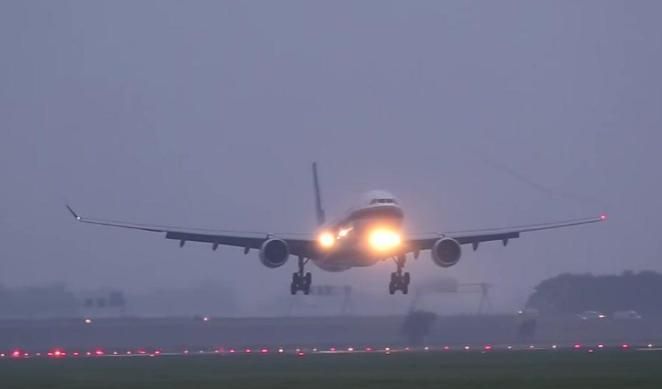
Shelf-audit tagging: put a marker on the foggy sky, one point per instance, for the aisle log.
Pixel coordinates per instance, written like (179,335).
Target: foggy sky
(208,114)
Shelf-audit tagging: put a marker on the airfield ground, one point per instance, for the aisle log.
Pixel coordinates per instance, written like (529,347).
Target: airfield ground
(607,368)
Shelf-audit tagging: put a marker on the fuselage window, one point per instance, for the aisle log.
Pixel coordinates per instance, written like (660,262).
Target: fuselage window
(382,201)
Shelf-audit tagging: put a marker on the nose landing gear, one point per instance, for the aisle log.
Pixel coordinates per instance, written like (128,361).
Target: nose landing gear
(301,281)
(399,280)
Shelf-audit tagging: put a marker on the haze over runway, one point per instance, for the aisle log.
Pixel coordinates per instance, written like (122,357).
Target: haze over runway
(208,114)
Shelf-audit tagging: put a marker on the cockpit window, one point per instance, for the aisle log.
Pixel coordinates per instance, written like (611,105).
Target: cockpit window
(382,201)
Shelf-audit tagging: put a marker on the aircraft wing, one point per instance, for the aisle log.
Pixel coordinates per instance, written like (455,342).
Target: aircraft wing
(503,234)
(247,240)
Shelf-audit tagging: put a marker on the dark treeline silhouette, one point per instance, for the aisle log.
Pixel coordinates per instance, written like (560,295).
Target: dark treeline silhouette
(576,293)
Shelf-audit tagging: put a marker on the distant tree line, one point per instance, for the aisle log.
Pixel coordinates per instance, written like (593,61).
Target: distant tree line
(576,293)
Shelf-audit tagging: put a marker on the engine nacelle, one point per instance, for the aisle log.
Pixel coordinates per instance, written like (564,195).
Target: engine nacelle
(446,252)
(274,253)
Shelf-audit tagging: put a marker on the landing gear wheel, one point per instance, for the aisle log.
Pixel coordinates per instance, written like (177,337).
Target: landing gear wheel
(399,280)
(301,281)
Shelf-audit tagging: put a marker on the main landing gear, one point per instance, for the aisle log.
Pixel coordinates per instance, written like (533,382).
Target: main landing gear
(399,280)
(301,281)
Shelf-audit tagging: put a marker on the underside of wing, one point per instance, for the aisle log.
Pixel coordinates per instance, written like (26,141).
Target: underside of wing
(244,239)
(503,234)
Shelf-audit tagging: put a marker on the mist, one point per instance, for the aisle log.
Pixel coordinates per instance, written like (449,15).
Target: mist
(209,114)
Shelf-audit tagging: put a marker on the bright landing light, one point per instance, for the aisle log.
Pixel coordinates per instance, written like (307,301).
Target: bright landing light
(326,239)
(383,239)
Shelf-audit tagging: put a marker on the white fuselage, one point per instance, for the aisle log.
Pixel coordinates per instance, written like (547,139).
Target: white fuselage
(368,234)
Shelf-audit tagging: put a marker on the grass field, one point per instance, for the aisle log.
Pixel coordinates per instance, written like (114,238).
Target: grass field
(522,369)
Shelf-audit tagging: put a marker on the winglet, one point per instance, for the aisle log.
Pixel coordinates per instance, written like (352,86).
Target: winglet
(73,213)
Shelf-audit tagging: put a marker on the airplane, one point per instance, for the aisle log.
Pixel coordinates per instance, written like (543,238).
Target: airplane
(369,233)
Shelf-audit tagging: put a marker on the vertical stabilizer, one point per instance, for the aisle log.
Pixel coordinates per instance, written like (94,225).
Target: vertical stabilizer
(321,218)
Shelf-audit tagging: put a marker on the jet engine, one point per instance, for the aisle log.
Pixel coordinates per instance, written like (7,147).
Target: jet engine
(274,253)
(446,252)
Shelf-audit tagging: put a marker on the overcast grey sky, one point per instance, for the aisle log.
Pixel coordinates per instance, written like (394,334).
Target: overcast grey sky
(209,113)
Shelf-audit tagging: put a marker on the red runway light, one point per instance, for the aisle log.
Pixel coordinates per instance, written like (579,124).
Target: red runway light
(57,353)
(98,352)
(577,346)
(488,347)
(625,346)
(16,354)
(264,351)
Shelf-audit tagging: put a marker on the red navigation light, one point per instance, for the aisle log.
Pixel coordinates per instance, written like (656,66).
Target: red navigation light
(603,217)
